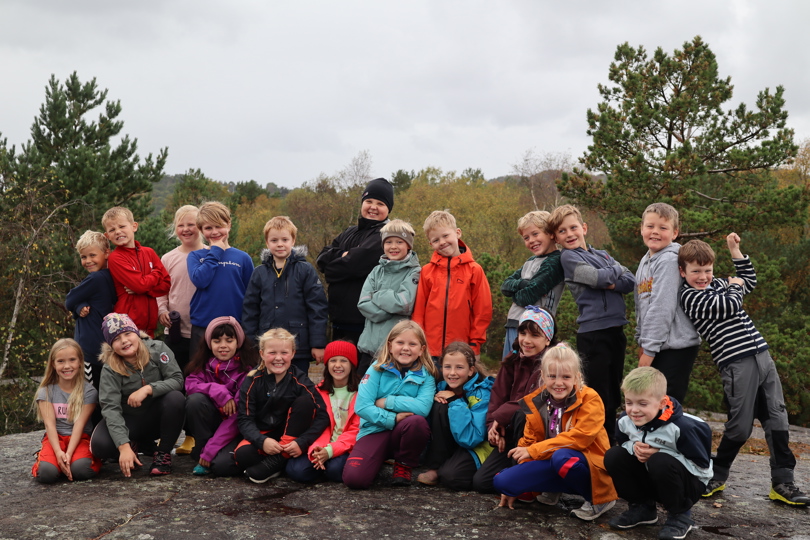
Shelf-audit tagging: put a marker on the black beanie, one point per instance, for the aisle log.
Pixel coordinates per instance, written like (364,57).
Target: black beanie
(382,190)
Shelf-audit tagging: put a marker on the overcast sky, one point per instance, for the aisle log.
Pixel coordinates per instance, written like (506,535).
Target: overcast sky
(282,91)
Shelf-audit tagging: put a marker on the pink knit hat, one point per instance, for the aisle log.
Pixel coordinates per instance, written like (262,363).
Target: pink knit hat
(219,321)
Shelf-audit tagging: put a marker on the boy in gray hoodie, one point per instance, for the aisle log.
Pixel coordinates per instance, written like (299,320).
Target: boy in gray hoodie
(666,337)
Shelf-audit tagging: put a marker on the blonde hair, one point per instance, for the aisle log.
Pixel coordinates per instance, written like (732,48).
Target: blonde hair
(117,212)
(439,218)
(397,226)
(171,228)
(280,223)
(76,398)
(214,213)
(92,239)
(386,360)
(646,379)
(280,334)
(665,211)
(119,365)
(563,358)
(538,218)
(558,216)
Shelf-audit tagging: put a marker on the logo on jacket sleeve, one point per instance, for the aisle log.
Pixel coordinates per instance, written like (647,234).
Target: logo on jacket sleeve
(364,380)
(164,358)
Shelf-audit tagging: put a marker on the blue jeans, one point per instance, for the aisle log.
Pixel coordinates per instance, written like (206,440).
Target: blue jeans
(301,469)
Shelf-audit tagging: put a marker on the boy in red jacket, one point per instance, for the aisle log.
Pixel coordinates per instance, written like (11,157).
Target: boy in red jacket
(453,301)
(138,274)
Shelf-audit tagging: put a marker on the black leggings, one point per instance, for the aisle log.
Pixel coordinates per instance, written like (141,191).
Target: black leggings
(161,417)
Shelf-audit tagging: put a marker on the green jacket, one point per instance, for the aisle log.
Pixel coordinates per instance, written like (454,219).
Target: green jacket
(161,372)
(387,297)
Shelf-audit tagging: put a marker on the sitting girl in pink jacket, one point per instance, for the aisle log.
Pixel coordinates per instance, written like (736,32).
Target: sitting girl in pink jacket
(328,454)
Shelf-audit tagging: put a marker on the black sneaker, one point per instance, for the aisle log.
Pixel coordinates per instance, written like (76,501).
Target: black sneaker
(788,493)
(161,464)
(637,514)
(269,467)
(714,486)
(676,527)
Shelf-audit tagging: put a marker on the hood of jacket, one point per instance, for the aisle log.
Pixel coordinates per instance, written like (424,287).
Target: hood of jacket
(299,253)
(476,383)
(465,257)
(411,261)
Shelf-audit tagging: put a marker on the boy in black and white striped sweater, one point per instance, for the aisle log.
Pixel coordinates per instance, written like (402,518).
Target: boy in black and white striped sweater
(749,376)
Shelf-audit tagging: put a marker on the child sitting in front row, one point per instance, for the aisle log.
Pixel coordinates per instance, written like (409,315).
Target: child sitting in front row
(750,381)
(328,454)
(518,375)
(141,398)
(213,379)
(458,421)
(663,455)
(280,411)
(393,401)
(539,282)
(564,441)
(65,402)
(389,292)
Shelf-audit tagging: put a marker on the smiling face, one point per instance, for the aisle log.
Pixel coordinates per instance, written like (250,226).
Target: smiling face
(186,230)
(456,370)
(121,232)
(444,240)
(395,248)
(406,349)
(216,233)
(126,345)
(224,347)
(537,240)
(560,380)
(657,232)
(570,234)
(280,244)
(643,408)
(697,275)
(94,258)
(531,344)
(277,355)
(67,365)
(339,368)
(374,209)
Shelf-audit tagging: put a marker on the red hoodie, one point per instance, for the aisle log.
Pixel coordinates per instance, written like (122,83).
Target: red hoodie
(139,269)
(453,301)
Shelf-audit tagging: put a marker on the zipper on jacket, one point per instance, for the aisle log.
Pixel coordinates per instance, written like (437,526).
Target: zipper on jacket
(446,303)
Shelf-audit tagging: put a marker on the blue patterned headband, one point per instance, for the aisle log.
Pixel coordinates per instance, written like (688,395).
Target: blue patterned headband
(540,316)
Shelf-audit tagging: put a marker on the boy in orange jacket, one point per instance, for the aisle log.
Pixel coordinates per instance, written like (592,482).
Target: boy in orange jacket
(453,300)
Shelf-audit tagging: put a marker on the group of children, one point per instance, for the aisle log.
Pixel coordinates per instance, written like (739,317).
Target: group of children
(545,425)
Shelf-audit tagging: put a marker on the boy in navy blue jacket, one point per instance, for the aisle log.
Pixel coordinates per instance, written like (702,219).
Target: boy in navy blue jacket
(598,284)
(663,455)
(285,292)
(91,300)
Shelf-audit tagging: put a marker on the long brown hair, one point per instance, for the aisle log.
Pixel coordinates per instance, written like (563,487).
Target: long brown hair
(248,355)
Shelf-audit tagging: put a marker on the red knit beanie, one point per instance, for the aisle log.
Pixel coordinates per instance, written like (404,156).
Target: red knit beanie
(341,348)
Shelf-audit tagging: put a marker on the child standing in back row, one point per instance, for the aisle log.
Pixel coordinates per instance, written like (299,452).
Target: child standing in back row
(91,300)
(750,381)
(666,336)
(453,301)
(597,283)
(139,276)
(389,291)
(539,282)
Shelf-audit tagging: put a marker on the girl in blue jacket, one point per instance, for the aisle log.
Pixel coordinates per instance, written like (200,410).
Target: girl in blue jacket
(458,421)
(393,400)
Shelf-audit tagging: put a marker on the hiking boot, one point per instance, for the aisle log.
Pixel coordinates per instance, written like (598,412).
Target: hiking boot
(528,497)
(590,512)
(714,486)
(200,470)
(269,467)
(550,499)
(402,475)
(637,514)
(788,493)
(676,527)
(161,464)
